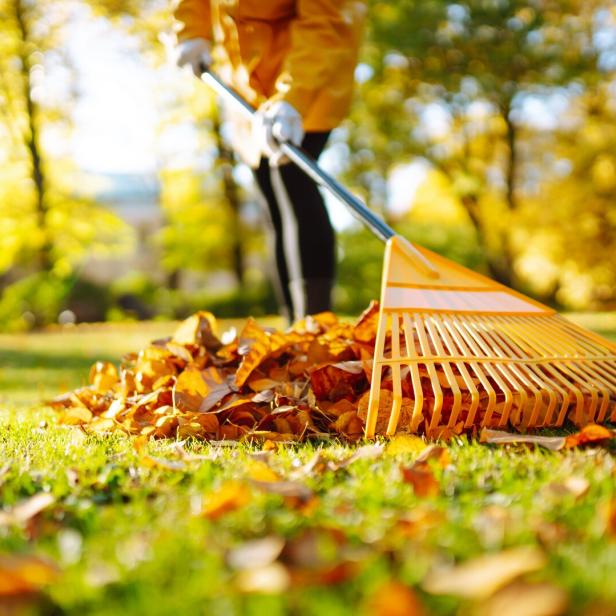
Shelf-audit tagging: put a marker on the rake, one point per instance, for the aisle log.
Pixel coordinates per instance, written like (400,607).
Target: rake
(456,350)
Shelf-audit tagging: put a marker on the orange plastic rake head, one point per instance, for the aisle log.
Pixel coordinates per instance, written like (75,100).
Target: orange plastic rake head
(458,350)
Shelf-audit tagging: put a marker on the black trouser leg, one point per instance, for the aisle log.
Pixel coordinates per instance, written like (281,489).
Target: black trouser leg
(304,241)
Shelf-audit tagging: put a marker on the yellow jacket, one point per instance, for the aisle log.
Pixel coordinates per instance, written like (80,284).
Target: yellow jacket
(300,51)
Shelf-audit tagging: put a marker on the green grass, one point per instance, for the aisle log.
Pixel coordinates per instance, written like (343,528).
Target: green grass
(128,538)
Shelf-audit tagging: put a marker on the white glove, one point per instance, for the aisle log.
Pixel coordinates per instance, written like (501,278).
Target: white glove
(195,53)
(274,123)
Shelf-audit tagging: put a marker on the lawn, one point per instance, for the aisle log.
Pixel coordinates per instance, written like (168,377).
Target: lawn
(113,525)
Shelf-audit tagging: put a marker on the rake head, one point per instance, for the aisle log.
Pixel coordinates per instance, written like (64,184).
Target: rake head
(455,350)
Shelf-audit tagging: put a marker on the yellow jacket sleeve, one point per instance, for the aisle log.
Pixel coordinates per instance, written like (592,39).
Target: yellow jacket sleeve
(194,18)
(325,37)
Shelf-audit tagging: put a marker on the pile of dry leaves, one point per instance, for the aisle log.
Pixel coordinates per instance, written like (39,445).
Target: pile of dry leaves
(312,380)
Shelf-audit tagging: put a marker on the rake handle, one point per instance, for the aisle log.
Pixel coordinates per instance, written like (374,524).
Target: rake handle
(307,164)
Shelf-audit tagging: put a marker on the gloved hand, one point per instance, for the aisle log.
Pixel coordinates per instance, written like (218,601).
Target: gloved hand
(276,122)
(195,53)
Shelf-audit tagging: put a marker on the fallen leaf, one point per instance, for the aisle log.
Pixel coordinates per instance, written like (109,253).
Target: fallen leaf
(26,509)
(592,433)
(230,496)
(198,329)
(256,553)
(365,452)
(480,577)
(24,574)
(421,478)
(572,486)
(259,471)
(311,381)
(270,579)
(435,452)
(608,515)
(497,437)
(392,598)
(525,599)
(405,444)
(320,556)
(366,326)
(293,489)
(103,376)
(76,416)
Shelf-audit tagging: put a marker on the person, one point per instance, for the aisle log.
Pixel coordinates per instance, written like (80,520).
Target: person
(294,60)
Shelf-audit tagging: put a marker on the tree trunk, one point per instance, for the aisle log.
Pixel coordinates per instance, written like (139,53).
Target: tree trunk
(231,192)
(496,269)
(506,260)
(31,140)
(174,279)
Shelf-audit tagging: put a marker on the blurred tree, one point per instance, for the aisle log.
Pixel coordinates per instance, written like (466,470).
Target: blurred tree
(575,207)
(44,225)
(21,55)
(449,81)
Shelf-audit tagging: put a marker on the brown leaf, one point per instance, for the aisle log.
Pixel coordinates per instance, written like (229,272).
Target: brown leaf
(318,556)
(335,381)
(421,478)
(480,577)
(386,398)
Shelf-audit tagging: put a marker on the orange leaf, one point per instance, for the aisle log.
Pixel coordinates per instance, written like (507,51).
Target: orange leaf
(366,326)
(260,471)
(200,390)
(199,329)
(103,376)
(21,574)
(592,433)
(255,343)
(76,416)
(435,452)
(394,599)
(230,496)
(421,478)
